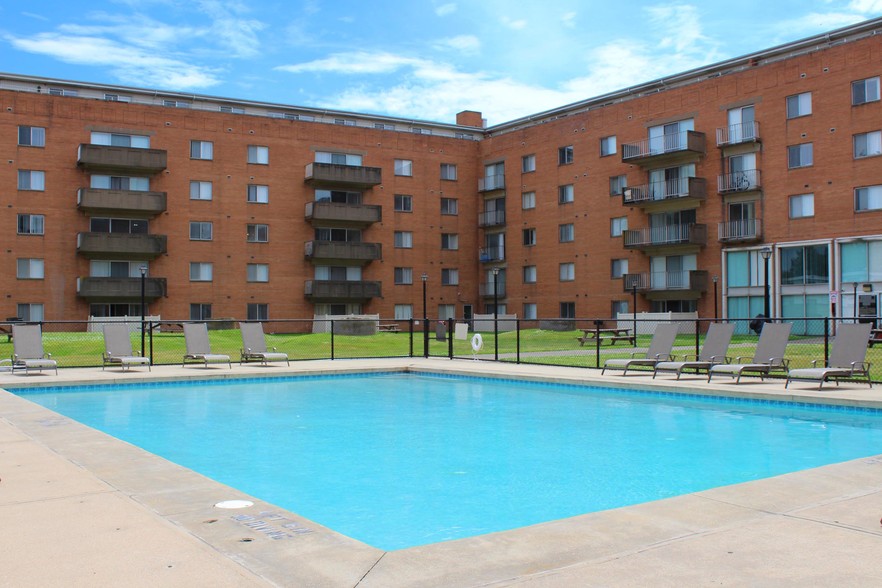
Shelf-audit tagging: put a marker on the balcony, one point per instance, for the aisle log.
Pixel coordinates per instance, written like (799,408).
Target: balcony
(122,160)
(343,251)
(686,191)
(491,218)
(489,254)
(341,290)
(736,134)
(350,176)
(120,289)
(682,146)
(355,215)
(487,290)
(746,180)
(742,231)
(491,183)
(99,201)
(121,245)
(686,284)
(667,236)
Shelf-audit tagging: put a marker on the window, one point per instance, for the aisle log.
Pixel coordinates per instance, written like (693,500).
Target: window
(530,311)
(565,155)
(384,126)
(799,155)
(619,307)
(868,144)
(132,184)
(115,269)
(617,185)
(31,180)
(868,198)
(29,312)
(403,312)
(618,268)
(802,205)
(176,104)
(200,271)
(200,231)
(200,190)
(337,158)
(338,235)
(258,154)
(257,272)
(449,241)
(567,272)
(529,274)
(403,203)
(528,200)
(403,239)
(529,237)
(232,110)
(200,312)
(258,194)
(449,277)
(528,164)
(419,131)
(566,233)
(617,226)
(403,167)
(861,261)
(201,150)
(257,233)
(863,91)
(62,92)
(448,171)
(805,265)
(99,224)
(608,146)
(338,273)
(338,196)
(565,194)
(799,105)
(446,311)
(568,310)
(256,311)
(32,136)
(404,275)
(30,224)
(449,206)
(29,269)
(346,122)
(120,140)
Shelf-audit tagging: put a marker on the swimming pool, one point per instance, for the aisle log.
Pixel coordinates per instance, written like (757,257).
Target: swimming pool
(397,460)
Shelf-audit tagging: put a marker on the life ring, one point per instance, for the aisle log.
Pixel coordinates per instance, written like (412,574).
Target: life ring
(477,342)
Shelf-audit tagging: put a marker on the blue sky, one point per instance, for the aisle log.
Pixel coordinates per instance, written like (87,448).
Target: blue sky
(412,59)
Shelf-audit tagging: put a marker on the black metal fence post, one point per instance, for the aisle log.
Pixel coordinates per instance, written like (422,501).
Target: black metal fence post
(517,340)
(450,327)
(597,325)
(826,339)
(332,338)
(697,343)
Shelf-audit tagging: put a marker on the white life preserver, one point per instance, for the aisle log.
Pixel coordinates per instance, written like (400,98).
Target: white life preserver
(477,342)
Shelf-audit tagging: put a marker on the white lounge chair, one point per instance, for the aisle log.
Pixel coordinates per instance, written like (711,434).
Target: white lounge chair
(713,351)
(769,355)
(199,348)
(254,345)
(118,348)
(659,350)
(27,345)
(846,359)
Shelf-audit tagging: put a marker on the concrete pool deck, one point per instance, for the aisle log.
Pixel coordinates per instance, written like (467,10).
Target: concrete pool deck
(80,508)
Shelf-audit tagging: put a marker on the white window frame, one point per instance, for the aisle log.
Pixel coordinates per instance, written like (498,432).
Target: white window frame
(567,271)
(798,105)
(403,240)
(617,226)
(530,311)
(404,167)
(531,233)
(203,150)
(201,271)
(566,233)
(253,233)
(449,276)
(868,88)
(258,154)
(120,140)
(204,230)
(449,241)
(403,276)
(257,272)
(566,194)
(257,311)
(448,172)
(872,195)
(257,194)
(529,274)
(528,164)
(30,268)
(36,224)
(200,190)
(34,136)
(405,201)
(618,268)
(608,146)
(867,144)
(566,155)
(806,206)
(403,312)
(31,180)
(806,155)
(450,206)
(528,200)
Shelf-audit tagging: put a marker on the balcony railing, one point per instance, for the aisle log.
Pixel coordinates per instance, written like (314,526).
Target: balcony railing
(691,234)
(121,201)
(121,245)
(334,174)
(740,181)
(343,250)
(491,218)
(691,280)
(341,290)
(690,188)
(120,289)
(490,183)
(121,159)
(655,147)
(738,133)
(487,290)
(741,230)
(491,254)
(349,214)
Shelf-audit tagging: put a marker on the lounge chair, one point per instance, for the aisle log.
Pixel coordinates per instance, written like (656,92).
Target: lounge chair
(659,350)
(198,347)
(846,359)
(27,345)
(254,345)
(713,352)
(769,355)
(118,348)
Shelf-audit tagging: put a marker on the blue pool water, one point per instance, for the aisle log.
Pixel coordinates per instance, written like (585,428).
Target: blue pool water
(399,460)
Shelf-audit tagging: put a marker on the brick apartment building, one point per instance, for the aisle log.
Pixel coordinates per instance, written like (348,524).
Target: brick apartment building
(681,191)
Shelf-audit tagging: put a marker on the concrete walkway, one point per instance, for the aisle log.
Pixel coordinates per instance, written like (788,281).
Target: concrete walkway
(79,508)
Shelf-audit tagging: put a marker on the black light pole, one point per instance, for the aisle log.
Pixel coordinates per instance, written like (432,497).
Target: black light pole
(495,314)
(634,297)
(766,252)
(425,278)
(854,301)
(716,308)
(143,270)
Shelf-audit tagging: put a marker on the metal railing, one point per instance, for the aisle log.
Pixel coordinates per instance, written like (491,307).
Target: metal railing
(738,133)
(740,181)
(740,230)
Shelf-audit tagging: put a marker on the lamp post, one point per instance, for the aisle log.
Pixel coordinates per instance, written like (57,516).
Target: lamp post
(716,308)
(634,301)
(766,253)
(425,278)
(143,270)
(496,314)
(854,301)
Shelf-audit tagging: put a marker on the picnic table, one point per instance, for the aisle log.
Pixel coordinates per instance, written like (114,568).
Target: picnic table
(611,335)
(875,336)
(389,328)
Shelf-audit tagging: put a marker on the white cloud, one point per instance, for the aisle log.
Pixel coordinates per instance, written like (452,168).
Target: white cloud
(229,29)
(463,43)
(812,23)
(866,6)
(32,15)
(359,62)
(514,24)
(569,20)
(445,9)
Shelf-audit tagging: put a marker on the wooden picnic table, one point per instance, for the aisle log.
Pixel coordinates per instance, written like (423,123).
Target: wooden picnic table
(611,335)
